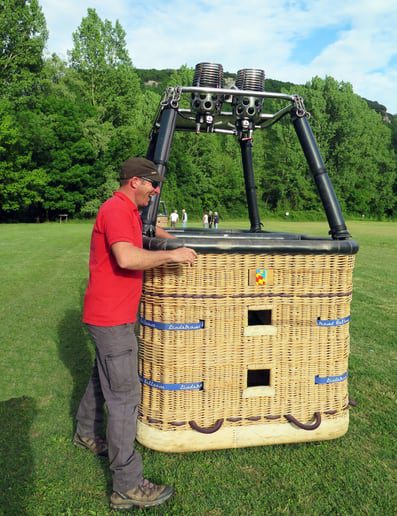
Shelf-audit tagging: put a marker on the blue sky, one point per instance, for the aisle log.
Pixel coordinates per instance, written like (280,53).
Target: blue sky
(292,40)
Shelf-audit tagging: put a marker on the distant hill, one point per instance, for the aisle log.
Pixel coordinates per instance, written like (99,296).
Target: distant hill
(380,108)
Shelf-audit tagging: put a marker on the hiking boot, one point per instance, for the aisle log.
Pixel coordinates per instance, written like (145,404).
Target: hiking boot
(96,445)
(146,494)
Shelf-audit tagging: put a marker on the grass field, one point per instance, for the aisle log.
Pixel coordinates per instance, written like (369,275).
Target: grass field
(46,360)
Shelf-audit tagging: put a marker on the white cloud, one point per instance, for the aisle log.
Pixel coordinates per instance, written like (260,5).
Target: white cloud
(254,33)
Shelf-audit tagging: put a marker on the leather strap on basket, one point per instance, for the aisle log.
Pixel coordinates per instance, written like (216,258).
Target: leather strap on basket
(304,426)
(209,430)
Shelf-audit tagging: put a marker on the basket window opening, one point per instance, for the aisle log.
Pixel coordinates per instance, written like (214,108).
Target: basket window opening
(259,317)
(258,377)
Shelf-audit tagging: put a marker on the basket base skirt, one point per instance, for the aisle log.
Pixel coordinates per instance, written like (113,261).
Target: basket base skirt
(239,436)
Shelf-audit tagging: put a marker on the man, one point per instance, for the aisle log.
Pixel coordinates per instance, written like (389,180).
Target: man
(210,219)
(110,307)
(174,217)
(184,218)
(216,220)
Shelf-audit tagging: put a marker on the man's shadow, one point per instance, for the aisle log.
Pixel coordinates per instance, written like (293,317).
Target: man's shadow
(77,352)
(16,456)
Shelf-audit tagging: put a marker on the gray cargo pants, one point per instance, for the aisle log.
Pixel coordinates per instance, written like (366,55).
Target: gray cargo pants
(114,380)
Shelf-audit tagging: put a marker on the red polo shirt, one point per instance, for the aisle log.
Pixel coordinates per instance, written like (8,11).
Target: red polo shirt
(113,294)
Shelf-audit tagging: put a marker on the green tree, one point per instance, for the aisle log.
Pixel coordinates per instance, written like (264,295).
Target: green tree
(101,59)
(23,35)
(356,145)
(22,182)
(98,47)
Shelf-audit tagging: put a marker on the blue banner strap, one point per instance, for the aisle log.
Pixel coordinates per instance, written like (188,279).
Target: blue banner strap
(171,326)
(333,322)
(193,386)
(330,379)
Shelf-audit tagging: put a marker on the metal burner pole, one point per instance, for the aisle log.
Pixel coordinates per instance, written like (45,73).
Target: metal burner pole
(250,188)
(158,152)
(338,229)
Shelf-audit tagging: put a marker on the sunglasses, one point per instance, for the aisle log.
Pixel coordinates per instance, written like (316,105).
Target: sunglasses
(155,184)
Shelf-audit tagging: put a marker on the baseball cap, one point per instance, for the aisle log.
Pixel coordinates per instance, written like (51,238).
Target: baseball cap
(140,167)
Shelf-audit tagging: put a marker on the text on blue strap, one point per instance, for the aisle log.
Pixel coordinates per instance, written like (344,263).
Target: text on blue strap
(193,386)
(333,322)
(331,379)
(171,326)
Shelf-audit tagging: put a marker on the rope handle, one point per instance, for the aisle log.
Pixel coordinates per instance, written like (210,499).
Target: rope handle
(209,430)
(304,426)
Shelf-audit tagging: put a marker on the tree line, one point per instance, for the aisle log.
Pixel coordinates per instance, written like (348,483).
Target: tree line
(66,125)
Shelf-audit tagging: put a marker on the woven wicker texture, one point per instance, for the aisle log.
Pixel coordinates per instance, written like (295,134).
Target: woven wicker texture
(251,373)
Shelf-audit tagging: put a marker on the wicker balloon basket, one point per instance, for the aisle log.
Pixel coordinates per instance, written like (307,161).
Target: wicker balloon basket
(245,348)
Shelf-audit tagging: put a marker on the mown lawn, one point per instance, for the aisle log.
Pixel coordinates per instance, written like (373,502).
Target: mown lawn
(46,360)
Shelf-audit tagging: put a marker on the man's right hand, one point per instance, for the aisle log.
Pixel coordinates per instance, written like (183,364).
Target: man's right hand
(183,255)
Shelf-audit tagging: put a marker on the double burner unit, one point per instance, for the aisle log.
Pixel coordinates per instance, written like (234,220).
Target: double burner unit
(250,346)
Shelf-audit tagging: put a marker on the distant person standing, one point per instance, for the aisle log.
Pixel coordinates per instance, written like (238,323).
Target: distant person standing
(210,219)
(205,220)
(216,220)
(184,218)
(174,217)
